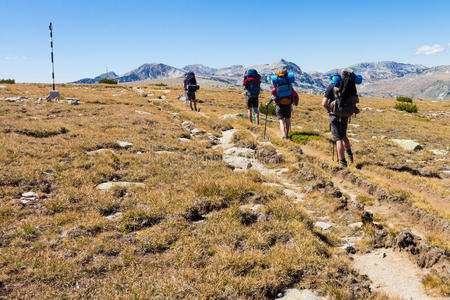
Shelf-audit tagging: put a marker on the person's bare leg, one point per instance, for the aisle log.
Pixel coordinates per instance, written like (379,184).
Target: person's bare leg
(346,143)
(340,149)
(249,113)
(190,104)
(282,127)
(288,126)
(348,149)
(195,105)
(257,118)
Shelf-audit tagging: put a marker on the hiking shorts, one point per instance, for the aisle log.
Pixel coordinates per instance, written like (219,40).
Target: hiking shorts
(190,96)
(338,126)
(252,102)
(283,111)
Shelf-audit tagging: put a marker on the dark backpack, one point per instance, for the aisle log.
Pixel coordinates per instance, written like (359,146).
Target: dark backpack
(191,82)
(253,88)
(345,96)
(252,73)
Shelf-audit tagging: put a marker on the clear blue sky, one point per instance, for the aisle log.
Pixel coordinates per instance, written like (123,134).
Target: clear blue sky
(121,35)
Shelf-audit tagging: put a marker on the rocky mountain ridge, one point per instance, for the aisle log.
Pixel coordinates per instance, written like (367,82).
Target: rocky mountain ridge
(381,79)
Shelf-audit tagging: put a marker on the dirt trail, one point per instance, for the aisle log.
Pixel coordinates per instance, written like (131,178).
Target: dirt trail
(392,273)
(383,271)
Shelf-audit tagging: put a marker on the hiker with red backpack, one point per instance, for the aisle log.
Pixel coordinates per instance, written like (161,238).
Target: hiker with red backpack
(284,96)
(190,86)
(340,101)
(252,83)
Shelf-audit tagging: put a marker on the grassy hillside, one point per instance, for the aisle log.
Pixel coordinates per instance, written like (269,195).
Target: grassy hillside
(196,228)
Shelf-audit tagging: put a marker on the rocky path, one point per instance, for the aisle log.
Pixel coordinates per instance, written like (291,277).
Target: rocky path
(391,272)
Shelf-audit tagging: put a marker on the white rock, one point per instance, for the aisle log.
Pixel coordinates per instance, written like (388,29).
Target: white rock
(184,139)
(125,145)
(141,112)
(295,294)
(409,145)
(187,124)
(162,97)
(197,131)
(323,225)
(174,115)
(227,116)
(100,151)
(354,125)
(438,152)
(356,225)
(115,216)
(367,108)
(72,101)
(106,186)
(29,195)
(240,151)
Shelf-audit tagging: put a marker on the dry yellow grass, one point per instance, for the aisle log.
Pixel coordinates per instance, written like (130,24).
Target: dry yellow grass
(79,242)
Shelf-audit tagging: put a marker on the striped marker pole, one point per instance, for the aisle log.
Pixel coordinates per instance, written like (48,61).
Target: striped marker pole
(51,46)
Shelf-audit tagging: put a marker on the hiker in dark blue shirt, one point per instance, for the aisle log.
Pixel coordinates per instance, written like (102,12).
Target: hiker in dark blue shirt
(338,124)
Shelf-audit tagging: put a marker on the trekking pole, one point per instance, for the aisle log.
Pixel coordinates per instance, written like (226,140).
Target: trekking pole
(332,147)
(265,124)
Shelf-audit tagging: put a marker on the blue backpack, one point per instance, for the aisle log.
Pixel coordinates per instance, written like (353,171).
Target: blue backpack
(191,82)
(284,87)
(253,88)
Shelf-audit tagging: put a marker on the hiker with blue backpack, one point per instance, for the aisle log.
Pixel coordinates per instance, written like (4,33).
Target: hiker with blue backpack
(284,96)
(340,101)
(252,83)
(190,87)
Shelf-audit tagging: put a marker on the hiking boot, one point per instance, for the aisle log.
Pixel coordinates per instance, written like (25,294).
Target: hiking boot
(350,156)
(343,163)
(350,159)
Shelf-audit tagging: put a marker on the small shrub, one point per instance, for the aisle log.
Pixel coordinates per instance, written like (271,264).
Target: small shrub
(8,81)
(161,84)
(436,286)
(108,81)
(404,99)
(302,137)
(408,107)
(271,108)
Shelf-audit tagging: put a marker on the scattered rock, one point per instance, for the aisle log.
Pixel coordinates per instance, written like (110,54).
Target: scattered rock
(197,132)
(162,97)
(73,101)
(429,257)
(141,112)
(115,217)
(106,186)
(295,294)
(227,116)
(100,151)
(356,225)
(187,125)
(367,218)
(367,108)
(323,225)
(125,145)
(181,97)
(175,115)
(438,152)
(240,151)
(405,239)
(409,145)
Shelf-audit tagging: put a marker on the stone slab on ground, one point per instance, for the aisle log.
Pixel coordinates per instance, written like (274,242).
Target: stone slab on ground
(295,294)
(125,145)
(409,145)
(323,225)
(106,186)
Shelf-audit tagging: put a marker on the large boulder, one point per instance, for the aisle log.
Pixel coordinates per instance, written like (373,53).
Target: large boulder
(409,145)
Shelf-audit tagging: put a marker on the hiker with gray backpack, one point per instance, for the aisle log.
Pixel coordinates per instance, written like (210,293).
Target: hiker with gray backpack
(340,101)
(252,83)
(190,87)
